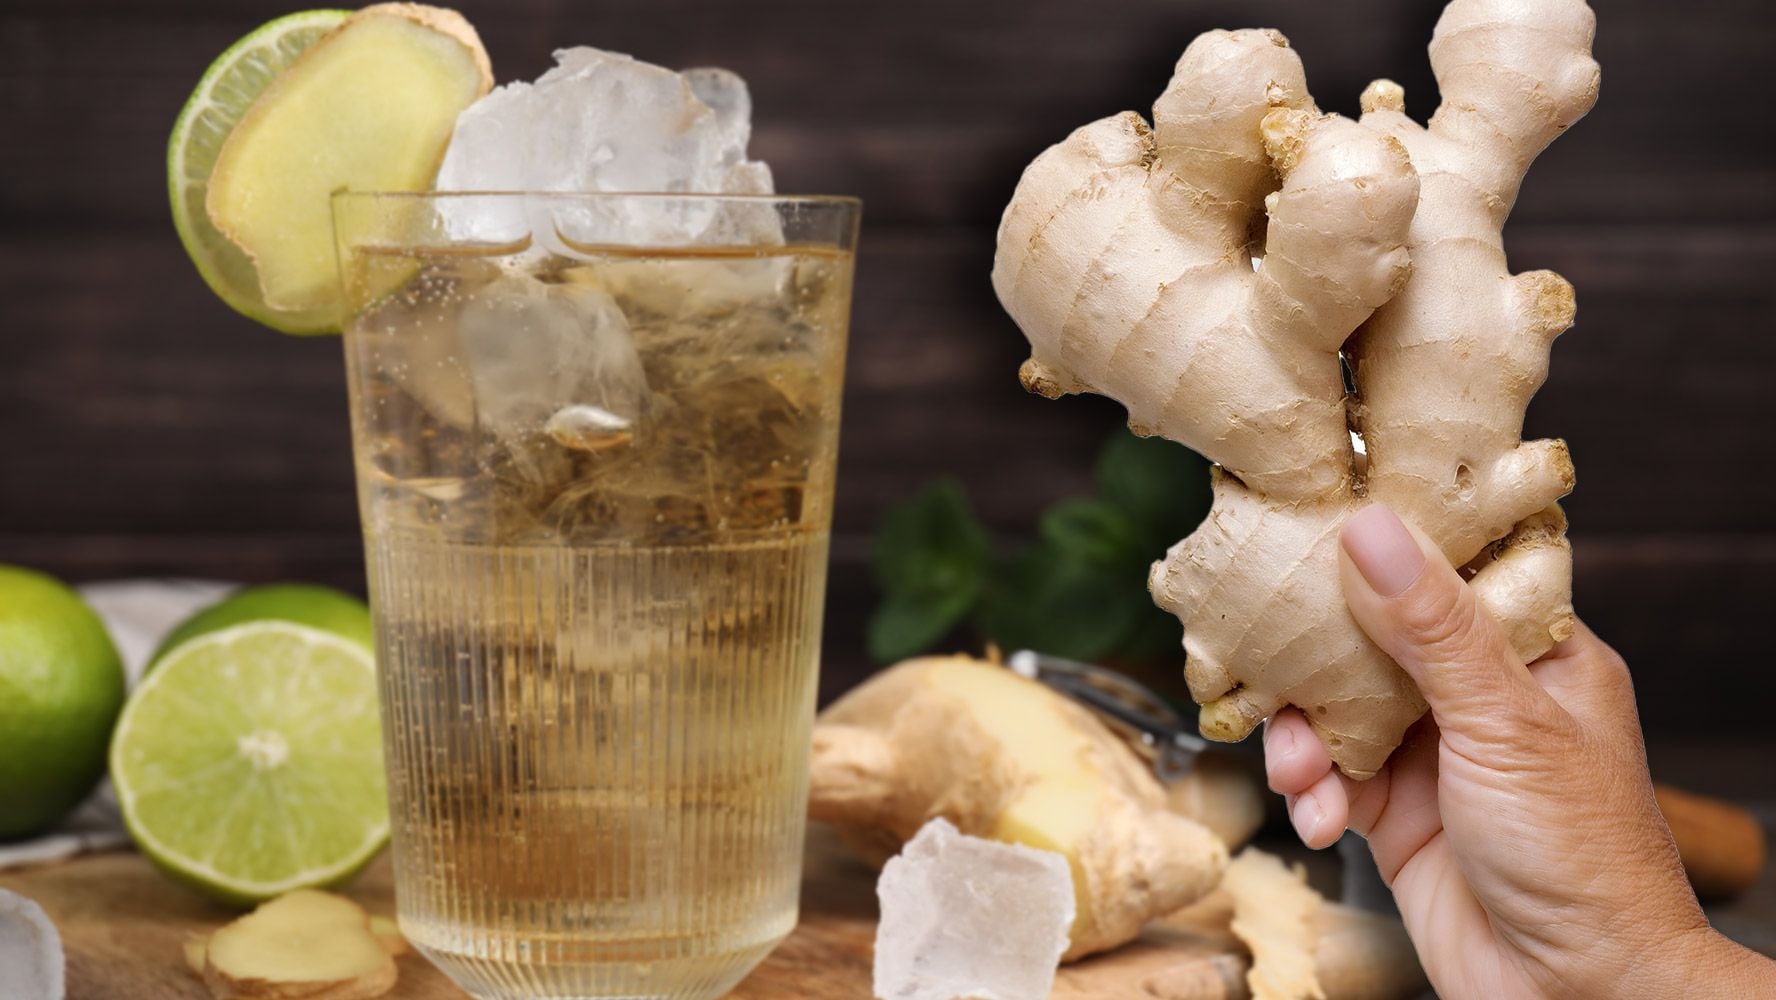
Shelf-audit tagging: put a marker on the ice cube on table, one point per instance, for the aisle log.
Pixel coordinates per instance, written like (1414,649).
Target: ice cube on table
(968,917)
(31,959)
(602,122)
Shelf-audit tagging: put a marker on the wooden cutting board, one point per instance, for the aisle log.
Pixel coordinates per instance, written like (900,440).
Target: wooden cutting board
(122,924)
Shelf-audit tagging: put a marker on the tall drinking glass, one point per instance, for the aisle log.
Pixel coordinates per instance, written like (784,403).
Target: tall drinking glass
(595,439)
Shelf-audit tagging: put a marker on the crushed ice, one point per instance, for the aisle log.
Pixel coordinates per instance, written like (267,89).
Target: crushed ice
(538,353)
(604,122)
(560,357)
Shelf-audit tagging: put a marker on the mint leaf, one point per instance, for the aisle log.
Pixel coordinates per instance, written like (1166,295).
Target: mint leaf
(1096,532)
(1056,602)
(907,624)
(931,543)
(1163,487)
(931,559)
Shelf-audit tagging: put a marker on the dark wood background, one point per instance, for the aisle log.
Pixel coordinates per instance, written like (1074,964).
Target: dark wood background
(146,429)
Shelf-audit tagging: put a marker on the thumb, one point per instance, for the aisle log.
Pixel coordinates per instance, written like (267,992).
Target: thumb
(1415,606)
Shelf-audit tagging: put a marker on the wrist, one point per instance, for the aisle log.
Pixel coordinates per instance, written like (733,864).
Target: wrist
(1700,964)
(1742,972)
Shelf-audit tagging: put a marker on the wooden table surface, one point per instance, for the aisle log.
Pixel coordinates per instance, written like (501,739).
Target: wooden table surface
(123,923)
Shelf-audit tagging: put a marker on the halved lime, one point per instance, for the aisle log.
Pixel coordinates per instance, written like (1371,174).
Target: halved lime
(249,761)
(370,106)
(227,89)
(319,607)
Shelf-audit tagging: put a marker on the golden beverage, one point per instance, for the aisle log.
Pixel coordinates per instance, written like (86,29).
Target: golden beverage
(596,488)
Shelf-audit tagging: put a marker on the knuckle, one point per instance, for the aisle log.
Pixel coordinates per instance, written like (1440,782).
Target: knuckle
(1513,721)
(1604,669)
(1608,663)
(1540,723)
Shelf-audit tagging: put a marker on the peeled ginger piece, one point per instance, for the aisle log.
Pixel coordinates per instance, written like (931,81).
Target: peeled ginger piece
(306,944)
(1008,759)
(368,107)
(388,934)
(1275,913)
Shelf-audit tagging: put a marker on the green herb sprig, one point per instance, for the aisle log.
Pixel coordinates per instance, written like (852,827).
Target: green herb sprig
(1079,590)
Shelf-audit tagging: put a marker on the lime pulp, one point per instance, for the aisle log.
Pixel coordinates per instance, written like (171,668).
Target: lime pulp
(249,761)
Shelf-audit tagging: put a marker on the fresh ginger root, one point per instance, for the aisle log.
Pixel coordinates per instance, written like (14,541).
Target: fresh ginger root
(1004,757)
(196,947)
(1274,913)
(305,944)
(1272,937)
(1124,257)
(1303,946)
(388,934)
(1221,793)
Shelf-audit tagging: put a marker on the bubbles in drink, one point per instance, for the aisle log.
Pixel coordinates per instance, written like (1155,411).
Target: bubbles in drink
(596,493)
(609,397)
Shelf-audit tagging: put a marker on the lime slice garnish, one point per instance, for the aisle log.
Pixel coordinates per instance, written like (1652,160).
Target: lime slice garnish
(249,761)
(227,89)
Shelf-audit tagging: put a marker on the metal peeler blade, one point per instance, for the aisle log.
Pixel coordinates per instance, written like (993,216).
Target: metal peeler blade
(1146,720)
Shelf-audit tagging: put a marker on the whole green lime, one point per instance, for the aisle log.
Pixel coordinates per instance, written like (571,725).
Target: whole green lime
(61,685)
(324,608)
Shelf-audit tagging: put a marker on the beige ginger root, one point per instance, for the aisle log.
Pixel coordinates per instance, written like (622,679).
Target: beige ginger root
(1274,913)
(304,944)
(1270,936)
(1123,256)
(1222,792)
(1004,757)
(196,947)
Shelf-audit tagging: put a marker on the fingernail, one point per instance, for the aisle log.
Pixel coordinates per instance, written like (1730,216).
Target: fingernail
(1306,816)
(1383,550)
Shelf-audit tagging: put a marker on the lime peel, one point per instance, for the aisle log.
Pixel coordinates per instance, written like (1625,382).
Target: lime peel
(222,96)
(61,686)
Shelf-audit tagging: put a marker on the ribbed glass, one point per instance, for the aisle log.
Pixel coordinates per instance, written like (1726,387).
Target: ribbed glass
(596,486)
(598,758)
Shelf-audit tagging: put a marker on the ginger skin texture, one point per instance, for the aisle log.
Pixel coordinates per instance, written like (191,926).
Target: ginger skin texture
(1124,258)
(1004,757)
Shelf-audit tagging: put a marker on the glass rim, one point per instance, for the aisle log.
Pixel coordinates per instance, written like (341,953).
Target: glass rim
(836,200)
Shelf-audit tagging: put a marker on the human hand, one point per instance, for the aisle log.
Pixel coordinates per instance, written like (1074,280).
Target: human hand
(1516,825)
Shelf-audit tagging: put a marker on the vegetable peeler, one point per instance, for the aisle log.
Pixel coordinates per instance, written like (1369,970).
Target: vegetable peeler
(1148,722)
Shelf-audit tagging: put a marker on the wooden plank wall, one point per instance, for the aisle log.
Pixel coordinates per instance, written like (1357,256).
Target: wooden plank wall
(148,430)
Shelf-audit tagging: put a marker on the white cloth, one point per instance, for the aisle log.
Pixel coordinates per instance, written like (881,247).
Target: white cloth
(138,613)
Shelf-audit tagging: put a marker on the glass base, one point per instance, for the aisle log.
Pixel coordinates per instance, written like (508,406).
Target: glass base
(703,977)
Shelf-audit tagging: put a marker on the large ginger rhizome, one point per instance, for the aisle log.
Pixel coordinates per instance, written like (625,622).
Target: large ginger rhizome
(1126,258)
